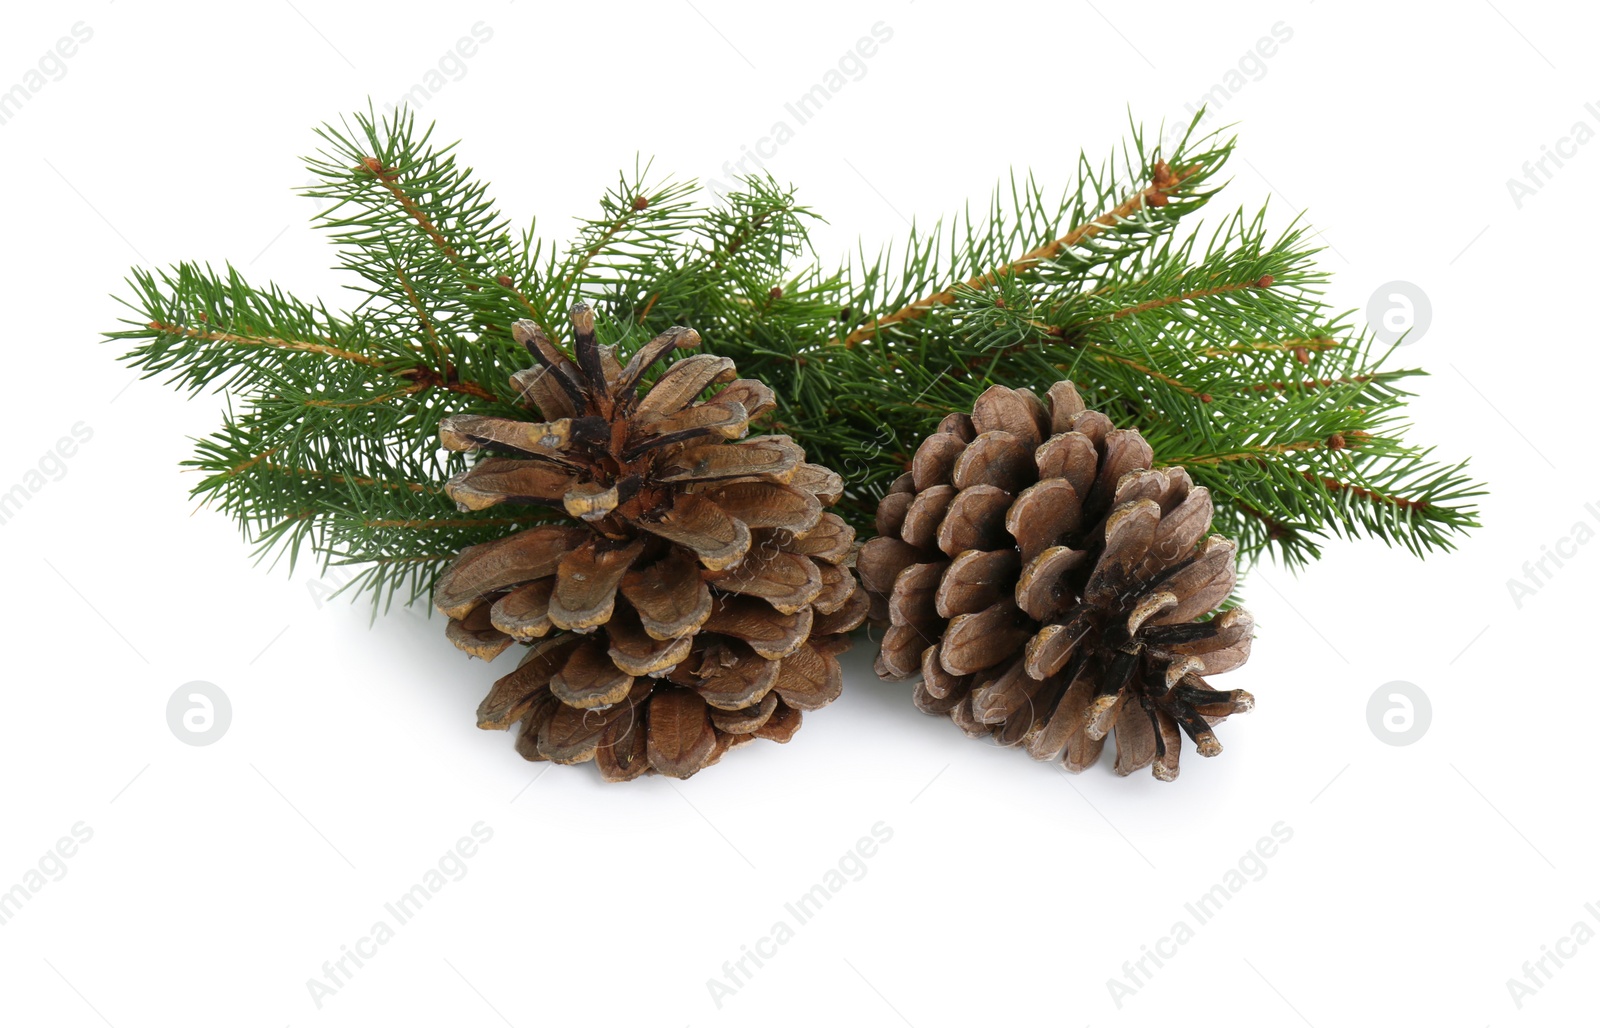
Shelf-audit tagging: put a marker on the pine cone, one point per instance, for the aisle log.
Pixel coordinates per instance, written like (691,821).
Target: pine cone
(701,596)
(1046,584)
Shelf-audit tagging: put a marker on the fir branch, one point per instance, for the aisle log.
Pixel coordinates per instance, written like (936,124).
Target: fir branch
(1218,348)
(213,336)
(1163,183)
(391,181)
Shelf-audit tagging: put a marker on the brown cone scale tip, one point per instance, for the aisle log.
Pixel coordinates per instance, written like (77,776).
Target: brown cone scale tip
(692,592)
(1051,588)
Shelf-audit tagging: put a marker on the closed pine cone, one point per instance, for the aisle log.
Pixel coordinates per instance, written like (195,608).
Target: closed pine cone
(1046,585)
(699,596)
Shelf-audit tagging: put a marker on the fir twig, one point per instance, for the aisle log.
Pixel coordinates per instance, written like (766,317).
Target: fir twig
(1218,348)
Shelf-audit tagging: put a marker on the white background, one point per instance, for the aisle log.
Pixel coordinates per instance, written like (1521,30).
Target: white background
(1418,878)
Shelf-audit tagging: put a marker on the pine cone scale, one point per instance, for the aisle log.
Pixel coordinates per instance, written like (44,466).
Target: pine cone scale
(524,612)
(681,735)
(586,583)
(699,525)
(489,567)
(669,596)
(514,696)
(746,719)
(736,685)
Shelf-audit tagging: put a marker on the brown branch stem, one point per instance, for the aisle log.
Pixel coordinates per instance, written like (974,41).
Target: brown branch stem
(263,459)
(1282,346)
(1275,529)
(1334,485)
(355,404)
(415,487)
(427,377)
(605,237)
(1312,383)
(1264,282)
(391,181)
(442,522)
(1259,453)
(422,377)
(273,341)
(1163,182)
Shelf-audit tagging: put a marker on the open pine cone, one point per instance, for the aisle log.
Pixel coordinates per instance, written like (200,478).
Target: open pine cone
(1046,584)
(701,596)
